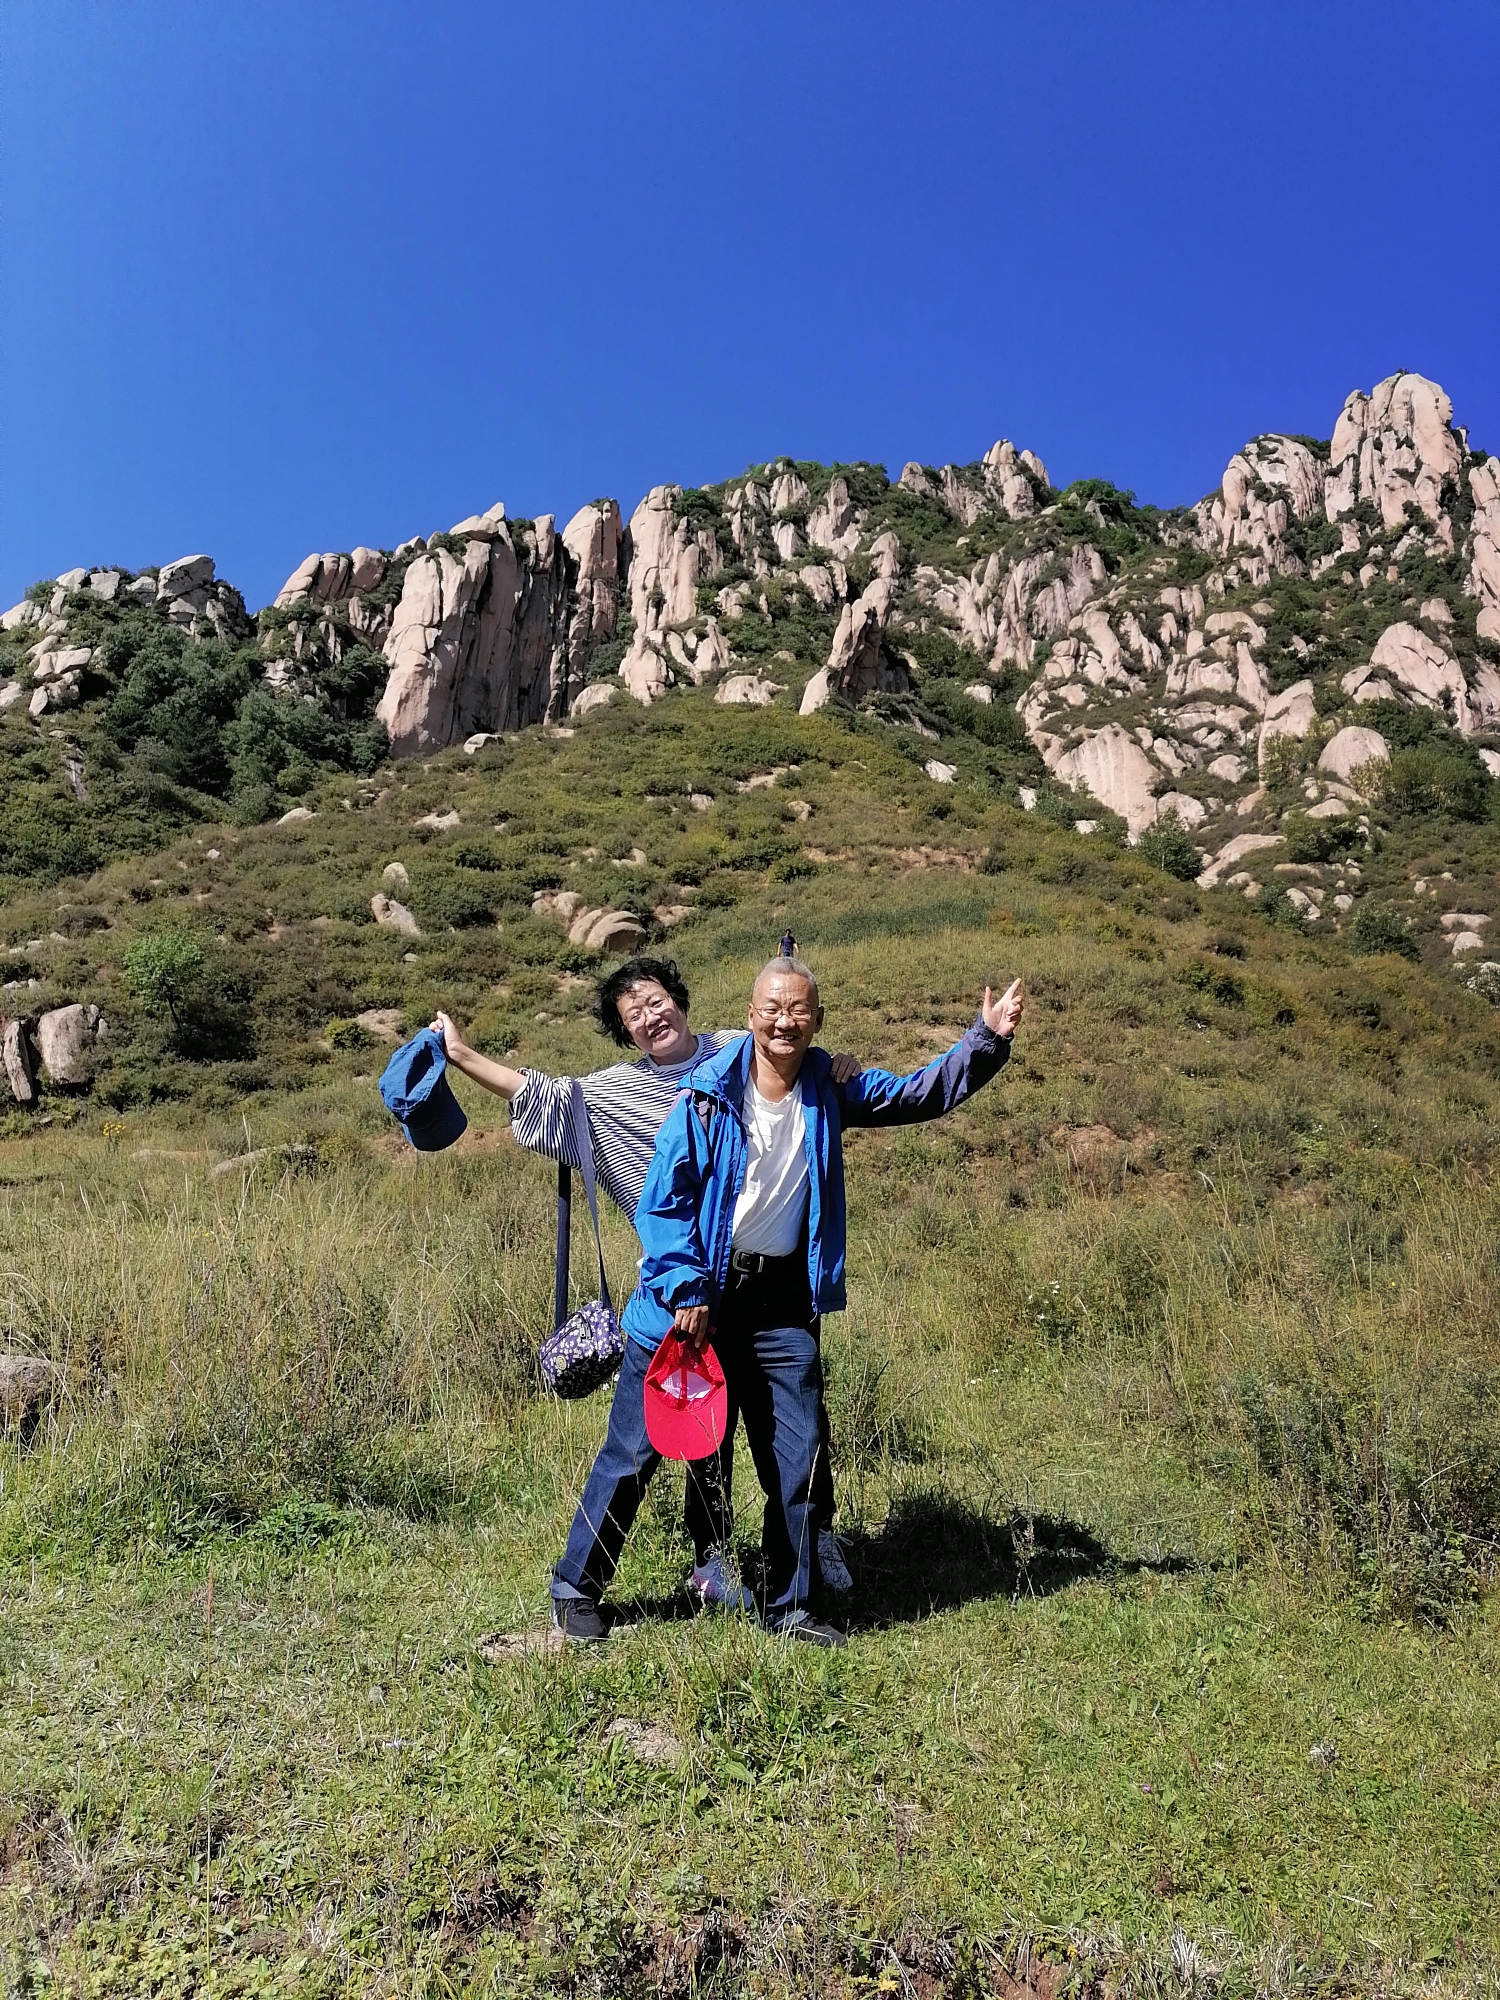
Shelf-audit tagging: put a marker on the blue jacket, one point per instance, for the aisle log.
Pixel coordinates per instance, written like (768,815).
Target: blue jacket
(686,1211)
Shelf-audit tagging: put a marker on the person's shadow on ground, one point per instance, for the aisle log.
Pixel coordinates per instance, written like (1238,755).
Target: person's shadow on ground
(934,1552)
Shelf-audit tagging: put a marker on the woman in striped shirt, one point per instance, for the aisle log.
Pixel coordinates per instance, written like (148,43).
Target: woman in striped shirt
(643,1005)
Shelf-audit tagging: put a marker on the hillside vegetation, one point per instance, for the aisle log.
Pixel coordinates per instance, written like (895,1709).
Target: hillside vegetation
(1168,1418)
(1167,1409)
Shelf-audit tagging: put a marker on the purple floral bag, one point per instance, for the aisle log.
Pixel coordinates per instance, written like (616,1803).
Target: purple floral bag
(588,1347)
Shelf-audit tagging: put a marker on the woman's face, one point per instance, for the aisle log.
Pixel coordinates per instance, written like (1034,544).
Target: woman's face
(655,1023)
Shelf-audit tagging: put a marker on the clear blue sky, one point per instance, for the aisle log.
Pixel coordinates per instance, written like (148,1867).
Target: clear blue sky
(285,275)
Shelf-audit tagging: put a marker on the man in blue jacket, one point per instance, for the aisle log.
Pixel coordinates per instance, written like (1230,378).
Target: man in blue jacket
(742,1225)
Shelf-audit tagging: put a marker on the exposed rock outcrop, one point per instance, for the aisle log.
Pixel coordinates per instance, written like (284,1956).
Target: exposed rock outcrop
(1394,448)
(1273,481)
(329,579)
(1292,713)
(667,556)
(1114,769)
(834,523)
(747,690)
(1484,571)
(858,664)
(1235,850)
(1006,482)
(1405,657)
(1351,750)
(478,644)
(592,538)
(192,598)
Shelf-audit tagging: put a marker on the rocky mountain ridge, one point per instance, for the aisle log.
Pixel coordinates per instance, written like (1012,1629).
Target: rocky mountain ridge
(1192,663)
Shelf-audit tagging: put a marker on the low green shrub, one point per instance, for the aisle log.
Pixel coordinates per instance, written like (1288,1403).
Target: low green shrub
(1430,779)
(1397,1486)
(1168,846)
(1376,928)
(1309,839)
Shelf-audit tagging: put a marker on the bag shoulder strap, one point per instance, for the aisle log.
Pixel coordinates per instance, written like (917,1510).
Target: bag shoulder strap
(584,1139)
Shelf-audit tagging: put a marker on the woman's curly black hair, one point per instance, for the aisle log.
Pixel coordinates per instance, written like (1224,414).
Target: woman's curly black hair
(634,972)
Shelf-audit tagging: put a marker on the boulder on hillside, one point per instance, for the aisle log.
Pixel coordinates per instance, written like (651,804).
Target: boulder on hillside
(616,930)
(746,690)
(594,929)
(1291,713)
(394,916)
(1235,850)
(27,1385)
(15,1046)
(66,1038)
(1114,769)
(1405,657)
(1351,750)
(1190,812)
(598,694)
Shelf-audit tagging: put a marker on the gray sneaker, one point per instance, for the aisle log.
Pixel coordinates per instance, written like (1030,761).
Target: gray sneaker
(809,1631)
(836,1578)
(713,1584)
(579,1620)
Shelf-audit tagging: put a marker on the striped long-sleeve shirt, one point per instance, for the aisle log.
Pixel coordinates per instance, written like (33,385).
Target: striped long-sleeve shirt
(627,1106)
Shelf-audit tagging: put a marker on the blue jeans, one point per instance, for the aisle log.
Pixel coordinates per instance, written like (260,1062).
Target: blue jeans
(774,1376)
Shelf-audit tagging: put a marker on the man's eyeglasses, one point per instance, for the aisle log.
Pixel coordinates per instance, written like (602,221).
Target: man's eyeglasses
(771,1012)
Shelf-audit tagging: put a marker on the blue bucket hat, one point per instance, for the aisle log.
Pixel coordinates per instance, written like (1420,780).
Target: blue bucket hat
(416,1090)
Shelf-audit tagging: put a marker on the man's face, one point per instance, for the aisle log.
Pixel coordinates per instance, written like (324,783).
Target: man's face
(655,1023)
(784,1017)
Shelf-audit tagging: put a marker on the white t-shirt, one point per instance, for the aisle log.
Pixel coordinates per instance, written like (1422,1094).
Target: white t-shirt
(768,1215)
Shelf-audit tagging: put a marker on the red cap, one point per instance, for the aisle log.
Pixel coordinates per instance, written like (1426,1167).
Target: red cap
(687,1404)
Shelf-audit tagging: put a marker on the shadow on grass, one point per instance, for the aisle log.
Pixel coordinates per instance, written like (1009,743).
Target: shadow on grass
(934,1552)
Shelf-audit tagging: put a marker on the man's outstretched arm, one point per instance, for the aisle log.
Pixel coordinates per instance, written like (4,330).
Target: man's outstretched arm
(877,1097)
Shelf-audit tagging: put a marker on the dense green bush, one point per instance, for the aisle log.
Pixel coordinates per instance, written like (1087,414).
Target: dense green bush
(1429,778)
(1376,928)
(1310,839)
(199,714)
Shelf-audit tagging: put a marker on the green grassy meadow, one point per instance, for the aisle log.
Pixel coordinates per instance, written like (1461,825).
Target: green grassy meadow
(1167,1415)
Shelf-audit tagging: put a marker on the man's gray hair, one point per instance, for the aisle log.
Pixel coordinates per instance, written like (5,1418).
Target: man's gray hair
(798,968)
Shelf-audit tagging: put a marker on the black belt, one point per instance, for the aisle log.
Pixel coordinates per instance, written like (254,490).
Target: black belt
(755,1262)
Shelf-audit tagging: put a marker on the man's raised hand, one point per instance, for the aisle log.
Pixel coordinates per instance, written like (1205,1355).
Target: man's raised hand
(1003,1016)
